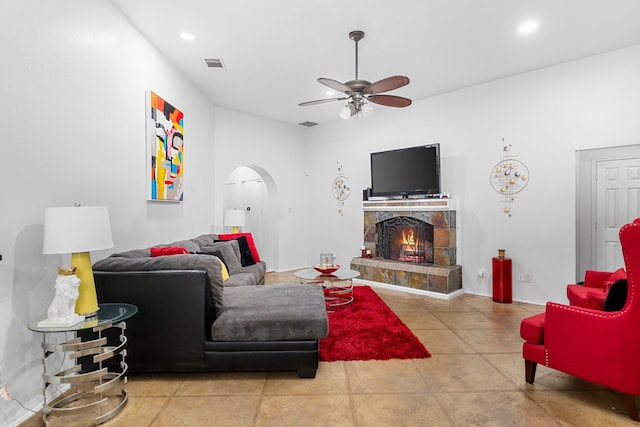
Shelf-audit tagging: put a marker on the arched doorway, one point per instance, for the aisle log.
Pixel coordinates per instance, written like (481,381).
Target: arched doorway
(252,189)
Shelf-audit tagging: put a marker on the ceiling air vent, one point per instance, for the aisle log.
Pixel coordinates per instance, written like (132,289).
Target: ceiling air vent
(214,63)
(307,124)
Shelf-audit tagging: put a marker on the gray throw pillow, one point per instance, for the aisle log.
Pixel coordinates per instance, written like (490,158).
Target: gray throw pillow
(229,254)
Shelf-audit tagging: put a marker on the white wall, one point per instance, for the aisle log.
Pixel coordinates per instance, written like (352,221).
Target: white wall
(73,85)
(72,101)
(546,115)
(244,140)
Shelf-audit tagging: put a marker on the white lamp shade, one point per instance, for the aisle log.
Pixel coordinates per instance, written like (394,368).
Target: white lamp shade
(76,229)
(234,218)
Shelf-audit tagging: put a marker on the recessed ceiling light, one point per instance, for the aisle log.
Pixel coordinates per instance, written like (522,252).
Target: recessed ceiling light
(528,27)
(329,93)
(187,36)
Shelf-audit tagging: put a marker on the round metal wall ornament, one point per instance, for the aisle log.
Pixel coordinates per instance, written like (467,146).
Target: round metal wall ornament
(508,177)
(341,189)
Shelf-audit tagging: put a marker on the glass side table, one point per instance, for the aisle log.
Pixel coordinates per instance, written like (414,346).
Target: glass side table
(338,286)
(92,386)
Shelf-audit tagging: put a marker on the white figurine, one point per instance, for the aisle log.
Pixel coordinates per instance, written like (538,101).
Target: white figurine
(61,312)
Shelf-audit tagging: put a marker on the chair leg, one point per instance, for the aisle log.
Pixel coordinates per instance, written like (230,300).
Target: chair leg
(530,370)
(629,402)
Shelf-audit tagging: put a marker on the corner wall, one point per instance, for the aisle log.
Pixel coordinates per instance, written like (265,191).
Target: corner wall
(546,115)
(73,108)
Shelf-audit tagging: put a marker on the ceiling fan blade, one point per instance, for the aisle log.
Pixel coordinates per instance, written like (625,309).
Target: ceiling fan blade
(321,101)
(385,85)
(336,85)
(390,100)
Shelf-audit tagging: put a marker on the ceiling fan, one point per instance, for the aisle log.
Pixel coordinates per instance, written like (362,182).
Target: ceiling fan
(359,91)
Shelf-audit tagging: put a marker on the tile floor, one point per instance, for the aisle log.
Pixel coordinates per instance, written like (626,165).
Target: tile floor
(474,378)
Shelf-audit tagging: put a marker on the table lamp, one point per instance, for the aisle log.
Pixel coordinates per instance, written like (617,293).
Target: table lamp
(235,219)
(78,230)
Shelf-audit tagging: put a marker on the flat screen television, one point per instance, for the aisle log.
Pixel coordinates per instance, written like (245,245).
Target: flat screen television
(406,171)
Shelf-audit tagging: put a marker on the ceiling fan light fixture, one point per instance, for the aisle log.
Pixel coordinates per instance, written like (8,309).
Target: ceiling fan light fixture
(366,110)
(345,113)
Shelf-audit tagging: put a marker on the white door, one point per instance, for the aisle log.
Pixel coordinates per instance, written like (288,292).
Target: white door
(253,199)
(617,203)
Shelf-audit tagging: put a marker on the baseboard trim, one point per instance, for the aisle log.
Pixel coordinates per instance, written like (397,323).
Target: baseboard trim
(431,294)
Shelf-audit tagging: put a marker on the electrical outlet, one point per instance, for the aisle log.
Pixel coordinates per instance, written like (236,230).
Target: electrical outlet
(524,277)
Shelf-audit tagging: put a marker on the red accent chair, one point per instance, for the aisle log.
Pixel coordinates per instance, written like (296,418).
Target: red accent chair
(596,287)
(602,347)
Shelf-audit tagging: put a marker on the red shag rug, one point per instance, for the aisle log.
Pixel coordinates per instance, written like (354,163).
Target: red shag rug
(369,330)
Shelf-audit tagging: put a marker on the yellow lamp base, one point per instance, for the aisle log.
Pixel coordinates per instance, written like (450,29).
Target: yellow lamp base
(235,229)
(87,303)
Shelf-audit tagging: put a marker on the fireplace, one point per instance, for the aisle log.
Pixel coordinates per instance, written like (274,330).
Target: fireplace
(405,239)
(437,216)
(420,252)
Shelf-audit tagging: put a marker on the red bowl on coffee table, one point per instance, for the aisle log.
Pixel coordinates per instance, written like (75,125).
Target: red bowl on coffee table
(327,270)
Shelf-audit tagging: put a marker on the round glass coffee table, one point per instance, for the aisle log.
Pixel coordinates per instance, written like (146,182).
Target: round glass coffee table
(338,286)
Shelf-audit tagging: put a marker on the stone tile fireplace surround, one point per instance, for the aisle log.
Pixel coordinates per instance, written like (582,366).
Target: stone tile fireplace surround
(443,277)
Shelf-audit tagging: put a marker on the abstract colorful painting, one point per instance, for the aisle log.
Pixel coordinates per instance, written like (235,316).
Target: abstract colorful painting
(165,150)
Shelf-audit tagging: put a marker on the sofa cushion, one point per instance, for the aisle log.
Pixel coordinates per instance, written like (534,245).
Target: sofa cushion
(241,279)
(225,272)
(246,257)
(134,253)
(532,329)
(230,253)
(615,276)
(250,242)
(215,253)
(250,275)
(272,313)
(617,296)
(582,296)
(176,262)
(189,245)
(204,240)
(168,250)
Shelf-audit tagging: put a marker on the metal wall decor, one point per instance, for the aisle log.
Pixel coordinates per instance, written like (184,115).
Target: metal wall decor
(341,189)
(508,177)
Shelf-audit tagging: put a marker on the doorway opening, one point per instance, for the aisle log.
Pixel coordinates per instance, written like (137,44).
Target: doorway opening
(607,197)
(252,190)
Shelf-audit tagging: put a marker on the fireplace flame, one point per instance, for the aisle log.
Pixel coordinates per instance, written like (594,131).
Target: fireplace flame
(408,238)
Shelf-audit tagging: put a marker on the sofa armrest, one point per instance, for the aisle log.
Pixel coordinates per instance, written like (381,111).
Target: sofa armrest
(175,313)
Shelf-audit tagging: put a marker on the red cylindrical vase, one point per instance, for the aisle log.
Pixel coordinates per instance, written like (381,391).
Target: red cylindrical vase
(501,278)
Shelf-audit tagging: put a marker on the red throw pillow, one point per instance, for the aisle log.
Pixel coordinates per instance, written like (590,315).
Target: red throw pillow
(168,250)
(617,275)
(250,242)
(595,300)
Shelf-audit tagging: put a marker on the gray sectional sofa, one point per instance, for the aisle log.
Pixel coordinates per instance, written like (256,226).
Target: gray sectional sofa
(190,319)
